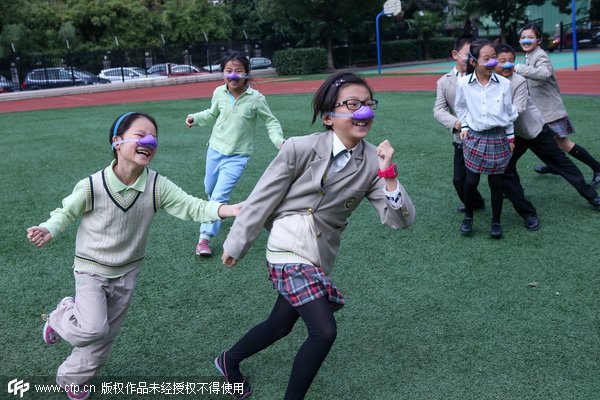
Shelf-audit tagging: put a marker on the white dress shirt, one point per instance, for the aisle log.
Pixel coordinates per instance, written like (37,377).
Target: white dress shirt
(482,107)
(340,156)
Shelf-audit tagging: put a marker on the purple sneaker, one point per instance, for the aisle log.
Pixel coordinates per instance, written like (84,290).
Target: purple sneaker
(239,390)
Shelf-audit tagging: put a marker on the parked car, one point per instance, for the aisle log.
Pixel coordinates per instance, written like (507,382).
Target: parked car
(255,63)
(119,74)
(213,68)
(7,86)
(158,69)
(260,63)
(183,70)
(54,77)
(584,39)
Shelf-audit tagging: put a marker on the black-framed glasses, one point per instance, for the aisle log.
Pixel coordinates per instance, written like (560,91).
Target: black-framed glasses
(354,104)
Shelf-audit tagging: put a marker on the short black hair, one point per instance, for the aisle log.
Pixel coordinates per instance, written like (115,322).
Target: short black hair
(236,56)
(533,26)
(461,41)
(326,96)
(504,48)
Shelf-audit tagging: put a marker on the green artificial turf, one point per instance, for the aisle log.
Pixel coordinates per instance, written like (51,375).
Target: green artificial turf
(429,314)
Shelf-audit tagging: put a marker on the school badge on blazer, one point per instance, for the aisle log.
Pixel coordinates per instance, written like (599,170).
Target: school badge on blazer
(349,202)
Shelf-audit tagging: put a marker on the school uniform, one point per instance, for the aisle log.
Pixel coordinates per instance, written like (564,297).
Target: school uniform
(109,251)
(297,184)
(443,112)
(544,90)
(531,132)
(488,114)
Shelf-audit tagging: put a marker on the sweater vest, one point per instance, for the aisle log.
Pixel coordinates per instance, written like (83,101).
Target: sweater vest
(113,233)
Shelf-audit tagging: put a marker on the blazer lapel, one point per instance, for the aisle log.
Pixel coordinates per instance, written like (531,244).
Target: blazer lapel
(319,166)
(351,167)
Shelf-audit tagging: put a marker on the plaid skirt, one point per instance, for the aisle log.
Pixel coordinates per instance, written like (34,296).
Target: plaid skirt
(561,128)
(486,152)
(303,283)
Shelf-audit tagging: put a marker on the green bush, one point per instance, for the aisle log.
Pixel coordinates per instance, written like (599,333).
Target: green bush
(300,61)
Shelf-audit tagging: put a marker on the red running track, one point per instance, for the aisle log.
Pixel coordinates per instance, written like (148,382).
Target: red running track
(571,82)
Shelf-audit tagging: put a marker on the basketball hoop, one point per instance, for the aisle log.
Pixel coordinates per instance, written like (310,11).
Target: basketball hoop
(393,8)
(400,16)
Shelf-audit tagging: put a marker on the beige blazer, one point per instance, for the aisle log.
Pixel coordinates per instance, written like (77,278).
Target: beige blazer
(443,110)
(530,121)
(543,86)
(292,184)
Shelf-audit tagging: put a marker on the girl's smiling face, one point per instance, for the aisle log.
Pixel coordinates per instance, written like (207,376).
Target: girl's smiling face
(132,152)
(234,66)
(349,130)
(529,34)
(486,53)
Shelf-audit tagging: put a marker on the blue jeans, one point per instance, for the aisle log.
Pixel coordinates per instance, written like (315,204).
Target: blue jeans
(222,174)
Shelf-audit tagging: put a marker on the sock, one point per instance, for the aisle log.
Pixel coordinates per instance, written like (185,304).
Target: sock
(582,155)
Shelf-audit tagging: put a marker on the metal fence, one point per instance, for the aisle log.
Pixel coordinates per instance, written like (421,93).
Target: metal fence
(15,68)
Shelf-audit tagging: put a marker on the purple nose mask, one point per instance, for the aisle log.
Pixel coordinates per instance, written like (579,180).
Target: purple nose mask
(492,63)
(363,113)
(146,141)
(233,75)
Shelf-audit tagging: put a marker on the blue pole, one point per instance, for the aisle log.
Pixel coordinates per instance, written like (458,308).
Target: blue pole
(574,34)
(378,46)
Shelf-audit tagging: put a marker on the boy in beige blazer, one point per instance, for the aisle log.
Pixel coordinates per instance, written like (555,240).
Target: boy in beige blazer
(531,132)
(304,199)
(443,112)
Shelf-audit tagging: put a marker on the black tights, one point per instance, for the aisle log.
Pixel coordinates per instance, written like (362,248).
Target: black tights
(322,331)
(471,183)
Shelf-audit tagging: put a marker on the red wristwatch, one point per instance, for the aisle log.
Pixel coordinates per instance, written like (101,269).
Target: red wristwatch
(391,172)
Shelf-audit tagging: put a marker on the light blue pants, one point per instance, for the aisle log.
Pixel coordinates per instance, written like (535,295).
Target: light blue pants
(222,174)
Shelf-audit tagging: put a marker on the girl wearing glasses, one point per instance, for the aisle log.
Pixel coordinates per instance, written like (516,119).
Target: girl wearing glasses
(543,89)
(304,199)
(234,109)
(484,107)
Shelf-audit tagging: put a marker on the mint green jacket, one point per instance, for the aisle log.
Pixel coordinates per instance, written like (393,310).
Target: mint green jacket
(235,122)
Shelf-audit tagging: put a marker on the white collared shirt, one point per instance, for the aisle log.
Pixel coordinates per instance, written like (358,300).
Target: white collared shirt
(339,161)
(480,107)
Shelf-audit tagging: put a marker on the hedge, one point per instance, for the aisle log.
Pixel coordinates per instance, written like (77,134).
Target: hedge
(391,52)
(300,61)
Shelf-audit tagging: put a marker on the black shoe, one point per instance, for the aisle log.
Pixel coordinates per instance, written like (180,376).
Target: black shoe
(595,202)
(461,209)
(544,169)
(532,223)
(467,226)
(496,231)
(235,390)
(595,179)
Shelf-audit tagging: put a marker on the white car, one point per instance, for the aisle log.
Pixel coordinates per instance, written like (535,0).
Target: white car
(119,74)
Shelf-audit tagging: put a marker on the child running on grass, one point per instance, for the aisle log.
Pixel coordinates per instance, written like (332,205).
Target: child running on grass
(484,107)
(443,112)
(234,109)
(305,198)
(531,132)
(117,204)
(543,89)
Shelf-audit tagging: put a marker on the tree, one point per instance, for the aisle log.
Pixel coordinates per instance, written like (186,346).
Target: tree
(326,21)
(504,14)
(427,24)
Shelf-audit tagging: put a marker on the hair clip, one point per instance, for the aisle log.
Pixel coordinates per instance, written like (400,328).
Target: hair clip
(339,82)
